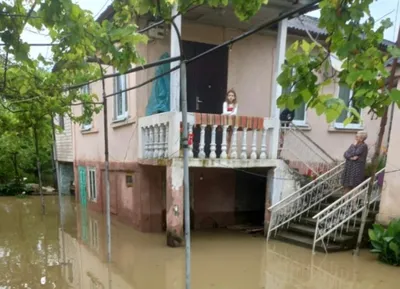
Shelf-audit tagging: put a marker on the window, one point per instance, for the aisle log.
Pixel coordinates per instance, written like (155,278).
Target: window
(92,184)
(300,113)
(120,100)
(61,121)
(345,93)
(129,181)
(87,125)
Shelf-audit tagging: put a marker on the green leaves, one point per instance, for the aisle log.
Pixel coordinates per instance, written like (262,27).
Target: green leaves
(394,51)
(395,95)
(386,242)
(352,37)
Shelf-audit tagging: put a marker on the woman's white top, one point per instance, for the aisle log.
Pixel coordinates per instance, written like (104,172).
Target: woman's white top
(226,111)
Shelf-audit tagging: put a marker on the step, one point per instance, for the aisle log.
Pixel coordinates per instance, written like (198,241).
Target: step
(306,242)
(311,221)
(371,214)
(337,196)
(310,231)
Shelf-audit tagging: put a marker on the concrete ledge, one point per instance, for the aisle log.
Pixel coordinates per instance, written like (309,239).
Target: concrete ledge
(229,163)
(217,163)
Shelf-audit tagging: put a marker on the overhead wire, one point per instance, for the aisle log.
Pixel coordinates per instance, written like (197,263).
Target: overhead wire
(101,9)
(246,34)
(292,13)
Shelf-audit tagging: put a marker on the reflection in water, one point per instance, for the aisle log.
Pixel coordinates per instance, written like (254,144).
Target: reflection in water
(36,250)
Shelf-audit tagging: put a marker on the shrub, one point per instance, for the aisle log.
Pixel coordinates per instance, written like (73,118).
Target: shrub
(381,165)
(12,189)
(386,242)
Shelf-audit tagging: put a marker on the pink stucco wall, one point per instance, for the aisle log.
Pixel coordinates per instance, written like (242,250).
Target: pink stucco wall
(390,199)
(214,197)
(141,205)
(249,72)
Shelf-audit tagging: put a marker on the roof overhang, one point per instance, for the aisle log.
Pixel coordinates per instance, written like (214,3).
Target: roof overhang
(225,16)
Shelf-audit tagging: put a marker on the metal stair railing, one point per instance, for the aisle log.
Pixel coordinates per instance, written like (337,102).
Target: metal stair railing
(296,146)
(340,216)
(303,200)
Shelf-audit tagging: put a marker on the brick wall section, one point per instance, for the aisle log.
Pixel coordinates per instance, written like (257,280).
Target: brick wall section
(239,121)
(140,206)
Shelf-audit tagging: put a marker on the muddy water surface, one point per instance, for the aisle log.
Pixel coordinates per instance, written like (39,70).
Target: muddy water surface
(37,252)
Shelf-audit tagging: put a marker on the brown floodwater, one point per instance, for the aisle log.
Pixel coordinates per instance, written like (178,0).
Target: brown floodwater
(37,252)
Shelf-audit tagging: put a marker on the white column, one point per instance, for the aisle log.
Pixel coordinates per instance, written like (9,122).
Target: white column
(166,151)
(254,146)
(233,151)
(156,141)
(224,155)
(146,142)
(213,146)
(202,154)
(151,142)
(243,155)
(175,51)
(263,153)
(276,89)
(161,150)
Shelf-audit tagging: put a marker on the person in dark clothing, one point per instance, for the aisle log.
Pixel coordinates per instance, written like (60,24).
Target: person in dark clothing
(356,159)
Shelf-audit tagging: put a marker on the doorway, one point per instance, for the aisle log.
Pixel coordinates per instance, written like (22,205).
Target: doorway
(250,197)
(207,80)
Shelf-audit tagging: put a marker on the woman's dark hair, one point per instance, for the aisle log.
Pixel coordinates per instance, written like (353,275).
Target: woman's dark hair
(234,93)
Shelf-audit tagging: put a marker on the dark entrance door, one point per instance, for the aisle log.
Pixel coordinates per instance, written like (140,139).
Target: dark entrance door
(207,80)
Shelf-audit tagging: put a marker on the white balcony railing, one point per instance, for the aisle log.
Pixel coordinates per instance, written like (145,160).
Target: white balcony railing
(211,136)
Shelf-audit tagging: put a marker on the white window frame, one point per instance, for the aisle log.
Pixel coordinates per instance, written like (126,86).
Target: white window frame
(300,122)
(92,185)
(86,89)
(120,83)
(340,125)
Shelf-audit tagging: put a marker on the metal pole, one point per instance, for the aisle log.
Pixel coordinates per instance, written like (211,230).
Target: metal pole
(107,166)
(390,125)
(186,191)
(38,166)
(55,159)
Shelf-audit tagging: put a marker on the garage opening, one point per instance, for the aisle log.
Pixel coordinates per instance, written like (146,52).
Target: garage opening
(250,199)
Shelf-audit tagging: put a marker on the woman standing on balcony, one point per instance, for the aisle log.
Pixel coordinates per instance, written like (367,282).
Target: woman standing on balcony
(230,108)
(230,105)
(356,159)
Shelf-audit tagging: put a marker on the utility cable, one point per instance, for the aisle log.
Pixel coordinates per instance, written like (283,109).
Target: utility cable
(248,33)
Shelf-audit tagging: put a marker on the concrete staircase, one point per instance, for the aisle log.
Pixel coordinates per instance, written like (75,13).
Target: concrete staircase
(301,231)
